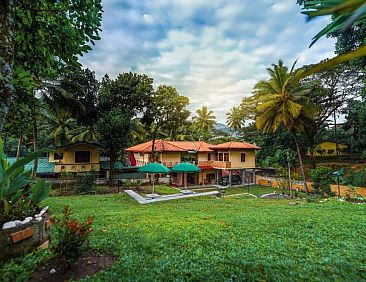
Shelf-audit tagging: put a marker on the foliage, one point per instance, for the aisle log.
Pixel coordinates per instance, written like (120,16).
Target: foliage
(357,178)
(129,91)
(72,236)
(40,42)
(165,114)
(114,128)
(283,103)
(258,239)
(19,194)
(85,183)
(204,120)
(322,177)
(281,158)
(344,15)
(235,118)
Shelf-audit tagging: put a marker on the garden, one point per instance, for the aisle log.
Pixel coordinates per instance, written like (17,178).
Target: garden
(214,239)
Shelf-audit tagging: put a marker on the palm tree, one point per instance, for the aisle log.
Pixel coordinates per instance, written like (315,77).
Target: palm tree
(85,133)
(61,126)
(205,119)
(283,103)
(234,118)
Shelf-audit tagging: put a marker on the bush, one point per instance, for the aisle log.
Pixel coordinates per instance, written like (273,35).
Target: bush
(20,194)
(72,236)
(85,184)
(357,178)
(322,178)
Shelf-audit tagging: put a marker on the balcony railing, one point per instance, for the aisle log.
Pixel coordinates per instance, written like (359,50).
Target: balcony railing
(215,164)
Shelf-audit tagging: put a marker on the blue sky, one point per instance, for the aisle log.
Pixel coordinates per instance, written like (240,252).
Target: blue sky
(212,51)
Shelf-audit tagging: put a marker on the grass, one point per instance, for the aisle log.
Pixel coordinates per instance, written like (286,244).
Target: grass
(215,239)
(160,189)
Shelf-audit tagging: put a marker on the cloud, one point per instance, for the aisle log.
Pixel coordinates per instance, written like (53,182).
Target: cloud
(212,51)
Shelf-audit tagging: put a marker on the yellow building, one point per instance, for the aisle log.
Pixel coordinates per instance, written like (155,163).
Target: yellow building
(213,160)
(329,148)
(75,158)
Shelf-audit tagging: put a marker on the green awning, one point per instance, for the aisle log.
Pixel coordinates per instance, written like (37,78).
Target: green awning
(186,167)
(154,168)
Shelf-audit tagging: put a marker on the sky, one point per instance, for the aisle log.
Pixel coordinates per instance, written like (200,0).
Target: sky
(212,51)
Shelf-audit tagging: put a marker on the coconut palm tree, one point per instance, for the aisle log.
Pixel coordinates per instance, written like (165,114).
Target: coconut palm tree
(234,118)
(61,126)
(205,119)
(283,103)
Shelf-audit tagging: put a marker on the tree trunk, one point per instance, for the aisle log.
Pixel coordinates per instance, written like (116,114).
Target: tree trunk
(153,144)
(336,136)
(111,170)
(7,11)
(312,158)
(35,140)
(19,145)
(301,164)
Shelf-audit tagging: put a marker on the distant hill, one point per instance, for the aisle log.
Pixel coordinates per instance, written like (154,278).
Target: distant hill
(222,127)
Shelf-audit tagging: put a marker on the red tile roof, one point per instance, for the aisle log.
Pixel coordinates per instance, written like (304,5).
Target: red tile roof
(171,146)
(234,145)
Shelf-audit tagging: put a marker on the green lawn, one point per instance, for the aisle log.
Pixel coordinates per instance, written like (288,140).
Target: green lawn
(160,189)
(215,239)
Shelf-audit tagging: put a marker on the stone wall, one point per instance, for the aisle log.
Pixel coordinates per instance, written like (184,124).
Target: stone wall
(25,238)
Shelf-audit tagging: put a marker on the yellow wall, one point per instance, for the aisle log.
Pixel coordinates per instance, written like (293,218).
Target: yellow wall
(235,159)
(329,146)
(204,156)
(67,164)
(170,158)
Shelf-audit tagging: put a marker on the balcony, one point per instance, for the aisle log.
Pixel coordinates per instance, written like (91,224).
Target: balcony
(215,164)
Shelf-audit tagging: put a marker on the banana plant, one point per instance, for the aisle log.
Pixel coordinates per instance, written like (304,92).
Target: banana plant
(17,188)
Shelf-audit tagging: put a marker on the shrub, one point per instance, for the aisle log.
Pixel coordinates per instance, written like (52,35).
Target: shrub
(85,184)
(20,195)
(357,178)
(72,236)
(322,178)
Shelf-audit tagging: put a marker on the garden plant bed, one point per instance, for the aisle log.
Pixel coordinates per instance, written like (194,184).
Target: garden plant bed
(90,263)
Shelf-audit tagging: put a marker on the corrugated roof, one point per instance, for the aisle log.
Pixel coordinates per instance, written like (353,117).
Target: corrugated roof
(44,167)
(171,146)
(235,145)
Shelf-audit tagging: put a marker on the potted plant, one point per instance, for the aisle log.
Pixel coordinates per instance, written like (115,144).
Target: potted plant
(24,226)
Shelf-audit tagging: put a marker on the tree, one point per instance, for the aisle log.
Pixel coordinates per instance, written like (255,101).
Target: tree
(166,113)
(114,127)
(60,126)
(331,91)
(235,118)
(283,103)
(41,40)
(130,91)
(205,119)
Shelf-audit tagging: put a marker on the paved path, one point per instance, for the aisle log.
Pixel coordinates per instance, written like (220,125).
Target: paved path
(142,200)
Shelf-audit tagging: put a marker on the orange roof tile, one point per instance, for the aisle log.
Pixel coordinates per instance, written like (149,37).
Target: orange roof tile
(171,146)
(235,145)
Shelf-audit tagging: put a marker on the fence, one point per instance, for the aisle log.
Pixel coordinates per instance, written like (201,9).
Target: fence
(344,190)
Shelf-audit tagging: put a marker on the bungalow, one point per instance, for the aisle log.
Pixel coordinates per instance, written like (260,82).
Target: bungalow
(76,157)
(215,161)
(329,148)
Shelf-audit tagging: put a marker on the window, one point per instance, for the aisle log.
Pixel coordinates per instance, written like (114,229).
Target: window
(226,157)
(209,157)
(223,157)
(242,157)
(82,156)
(58,156)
